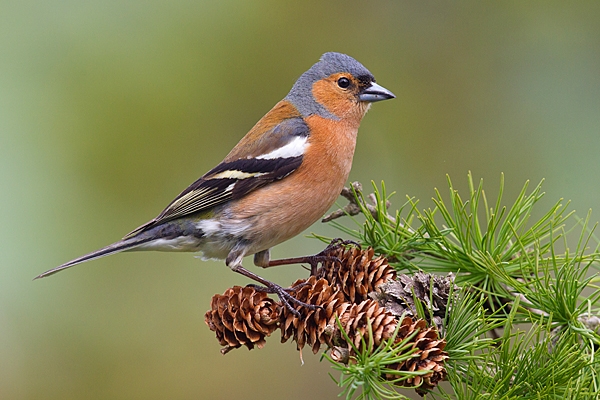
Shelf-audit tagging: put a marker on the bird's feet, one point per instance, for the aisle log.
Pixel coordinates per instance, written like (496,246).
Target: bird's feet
(336,243)
(321,257)
(285,296)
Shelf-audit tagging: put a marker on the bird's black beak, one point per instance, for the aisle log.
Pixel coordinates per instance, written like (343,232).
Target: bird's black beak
(375,93)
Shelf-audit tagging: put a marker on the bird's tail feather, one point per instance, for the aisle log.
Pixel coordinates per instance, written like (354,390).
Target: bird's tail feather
(117,247)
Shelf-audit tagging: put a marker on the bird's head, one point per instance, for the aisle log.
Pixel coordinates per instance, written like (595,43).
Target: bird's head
(336,87)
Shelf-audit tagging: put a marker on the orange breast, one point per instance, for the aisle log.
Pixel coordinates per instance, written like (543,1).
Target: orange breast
(283,209)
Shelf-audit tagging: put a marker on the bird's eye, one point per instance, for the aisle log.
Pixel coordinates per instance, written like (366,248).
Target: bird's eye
(343,82)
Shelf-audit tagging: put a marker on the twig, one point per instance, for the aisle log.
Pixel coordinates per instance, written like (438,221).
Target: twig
(354,208)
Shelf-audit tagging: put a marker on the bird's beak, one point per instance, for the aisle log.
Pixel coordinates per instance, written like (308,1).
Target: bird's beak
(375,93)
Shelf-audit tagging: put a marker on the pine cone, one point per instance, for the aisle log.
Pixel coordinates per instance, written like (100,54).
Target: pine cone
(341,291)
(242,316)
(317,327)
(314,327)
(430,355)
(355,321)
(359,274)
(433,292)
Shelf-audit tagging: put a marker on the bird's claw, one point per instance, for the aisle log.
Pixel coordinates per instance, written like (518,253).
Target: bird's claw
(337,242)
(286,297)
(323,255)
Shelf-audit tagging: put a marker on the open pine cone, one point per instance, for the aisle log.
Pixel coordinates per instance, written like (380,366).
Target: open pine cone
(314,327)
(341,291)
(359,274)
(355,321)
(242,316)
(319,326)
(429,355)
(428,350)
(433,292)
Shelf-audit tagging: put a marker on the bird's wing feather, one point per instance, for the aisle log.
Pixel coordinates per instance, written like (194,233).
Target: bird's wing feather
(231,180)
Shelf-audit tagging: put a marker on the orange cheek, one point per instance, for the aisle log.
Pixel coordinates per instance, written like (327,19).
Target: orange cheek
(339,104)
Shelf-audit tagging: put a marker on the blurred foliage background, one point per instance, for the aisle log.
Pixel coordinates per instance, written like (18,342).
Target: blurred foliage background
(109,108)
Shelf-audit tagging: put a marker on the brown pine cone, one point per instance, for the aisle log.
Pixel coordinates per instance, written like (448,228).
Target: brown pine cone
(355,321)
(242,316)
(340,291)
(314,327)
(430,355)
(428,349)
(359,274)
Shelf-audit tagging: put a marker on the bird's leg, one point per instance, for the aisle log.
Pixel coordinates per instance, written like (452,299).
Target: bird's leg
(283,293)
(262,259)
(234,262)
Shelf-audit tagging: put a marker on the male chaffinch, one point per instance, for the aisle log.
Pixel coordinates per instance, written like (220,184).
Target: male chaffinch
(279,179)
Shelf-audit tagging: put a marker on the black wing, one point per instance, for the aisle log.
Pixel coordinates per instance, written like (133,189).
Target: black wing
(235,179)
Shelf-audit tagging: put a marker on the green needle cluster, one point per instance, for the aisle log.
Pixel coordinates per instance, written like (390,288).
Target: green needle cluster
(524,323)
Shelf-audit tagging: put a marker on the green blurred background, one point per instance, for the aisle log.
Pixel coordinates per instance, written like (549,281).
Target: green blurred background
(109,108)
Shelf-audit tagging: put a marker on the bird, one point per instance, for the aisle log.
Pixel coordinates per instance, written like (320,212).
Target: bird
(280,178)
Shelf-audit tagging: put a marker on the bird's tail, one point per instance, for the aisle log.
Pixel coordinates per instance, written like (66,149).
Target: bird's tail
(117,247)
